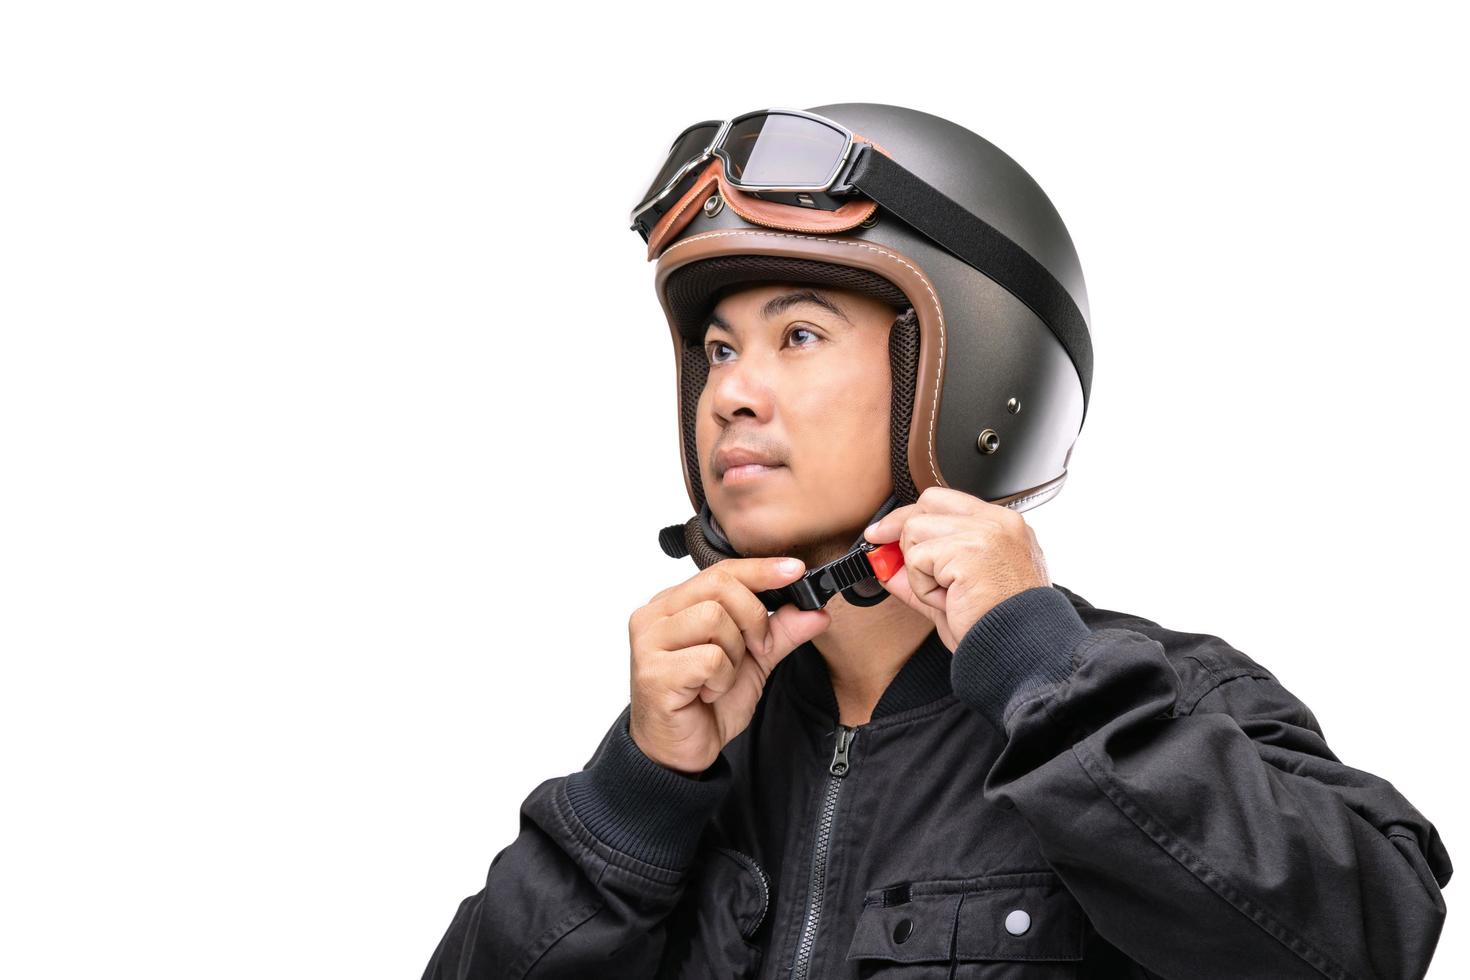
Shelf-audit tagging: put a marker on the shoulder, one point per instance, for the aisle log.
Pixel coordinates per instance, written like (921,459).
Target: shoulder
(1203,661)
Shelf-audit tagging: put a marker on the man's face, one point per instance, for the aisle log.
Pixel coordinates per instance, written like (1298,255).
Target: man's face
(799,375)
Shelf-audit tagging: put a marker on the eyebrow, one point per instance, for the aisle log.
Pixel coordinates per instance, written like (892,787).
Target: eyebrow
(780,304)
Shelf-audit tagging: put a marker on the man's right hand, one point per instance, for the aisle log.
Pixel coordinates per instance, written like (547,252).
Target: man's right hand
(702,651)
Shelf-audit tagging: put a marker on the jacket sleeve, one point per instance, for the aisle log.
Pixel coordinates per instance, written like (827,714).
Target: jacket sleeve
(599,864)
(1207,832)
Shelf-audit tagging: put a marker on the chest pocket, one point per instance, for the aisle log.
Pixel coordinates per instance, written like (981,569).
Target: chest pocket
(1020,926)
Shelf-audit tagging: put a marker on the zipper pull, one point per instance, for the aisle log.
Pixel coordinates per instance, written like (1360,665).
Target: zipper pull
(839,756)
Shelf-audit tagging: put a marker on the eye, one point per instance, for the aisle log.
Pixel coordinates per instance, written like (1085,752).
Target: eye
(798,330)
(710,348)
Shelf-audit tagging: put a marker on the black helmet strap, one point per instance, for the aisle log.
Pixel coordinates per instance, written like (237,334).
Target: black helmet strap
(701,538)
(972,240)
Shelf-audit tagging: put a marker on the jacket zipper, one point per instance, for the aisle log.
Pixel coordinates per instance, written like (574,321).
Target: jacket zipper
(839,767)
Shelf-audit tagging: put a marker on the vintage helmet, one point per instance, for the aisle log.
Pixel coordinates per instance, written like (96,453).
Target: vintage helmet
(990,348)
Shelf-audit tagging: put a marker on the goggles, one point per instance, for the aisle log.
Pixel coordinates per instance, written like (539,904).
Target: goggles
(798,171)
(784,155)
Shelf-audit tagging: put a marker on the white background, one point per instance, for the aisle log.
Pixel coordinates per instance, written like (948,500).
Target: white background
(337,413)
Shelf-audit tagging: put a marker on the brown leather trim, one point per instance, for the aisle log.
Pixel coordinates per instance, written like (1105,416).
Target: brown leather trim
(855,253)
(768,214)
(790,217)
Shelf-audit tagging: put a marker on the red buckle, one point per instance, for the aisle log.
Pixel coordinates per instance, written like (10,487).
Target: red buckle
(886,560)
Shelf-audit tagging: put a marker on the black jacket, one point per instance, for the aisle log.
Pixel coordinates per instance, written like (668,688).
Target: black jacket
(1075,792)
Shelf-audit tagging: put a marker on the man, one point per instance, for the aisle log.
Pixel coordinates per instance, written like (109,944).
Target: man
(988,777)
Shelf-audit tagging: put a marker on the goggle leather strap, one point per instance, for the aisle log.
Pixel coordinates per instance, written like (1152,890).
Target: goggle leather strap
(768,214)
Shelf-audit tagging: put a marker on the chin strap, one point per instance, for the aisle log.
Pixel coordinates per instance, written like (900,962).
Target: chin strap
(858,575)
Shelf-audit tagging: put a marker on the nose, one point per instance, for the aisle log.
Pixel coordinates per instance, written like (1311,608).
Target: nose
(741,386)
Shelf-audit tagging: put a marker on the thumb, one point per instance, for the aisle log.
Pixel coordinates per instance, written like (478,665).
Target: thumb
(788,628)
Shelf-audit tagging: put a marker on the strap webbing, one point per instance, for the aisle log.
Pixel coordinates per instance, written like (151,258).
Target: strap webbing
(973,241)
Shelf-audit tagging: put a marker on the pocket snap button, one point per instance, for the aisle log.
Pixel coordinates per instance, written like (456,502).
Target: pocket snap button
(903,930)
(1018,922)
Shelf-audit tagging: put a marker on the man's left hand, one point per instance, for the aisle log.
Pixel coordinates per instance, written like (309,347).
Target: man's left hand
(962,557)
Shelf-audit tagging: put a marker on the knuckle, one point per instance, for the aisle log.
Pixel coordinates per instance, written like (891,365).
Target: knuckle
(709,613)
(713,658)
(720,569)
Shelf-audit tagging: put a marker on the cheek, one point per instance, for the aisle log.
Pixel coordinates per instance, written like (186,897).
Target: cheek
(705,431)
(844,432)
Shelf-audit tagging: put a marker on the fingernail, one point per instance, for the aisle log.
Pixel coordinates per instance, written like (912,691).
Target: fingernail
(870,528)
(789,565)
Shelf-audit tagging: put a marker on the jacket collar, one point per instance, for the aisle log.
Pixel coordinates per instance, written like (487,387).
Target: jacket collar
(923,678)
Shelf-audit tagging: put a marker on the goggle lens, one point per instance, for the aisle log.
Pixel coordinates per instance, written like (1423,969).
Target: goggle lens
(782,150)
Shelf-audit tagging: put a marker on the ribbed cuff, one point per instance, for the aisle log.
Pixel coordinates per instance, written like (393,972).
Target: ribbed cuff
(1019,646)
(641,808)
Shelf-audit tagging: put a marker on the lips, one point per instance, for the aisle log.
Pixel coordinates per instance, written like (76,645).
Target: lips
(746,472)
(736,456)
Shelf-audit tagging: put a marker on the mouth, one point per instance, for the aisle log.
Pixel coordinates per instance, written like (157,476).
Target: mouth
(748,473)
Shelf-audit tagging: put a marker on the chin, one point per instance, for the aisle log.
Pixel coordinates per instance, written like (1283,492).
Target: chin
(755,531)
(756,538)
(762,544)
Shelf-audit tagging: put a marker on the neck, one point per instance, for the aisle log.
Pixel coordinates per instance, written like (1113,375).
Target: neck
(864,648)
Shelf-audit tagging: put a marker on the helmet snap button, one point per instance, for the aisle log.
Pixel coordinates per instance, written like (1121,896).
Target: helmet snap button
(989,441)
(903,930)
(1013,406)
(713,205)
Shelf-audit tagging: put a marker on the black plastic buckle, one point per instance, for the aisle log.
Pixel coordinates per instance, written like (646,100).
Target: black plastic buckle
(818,585)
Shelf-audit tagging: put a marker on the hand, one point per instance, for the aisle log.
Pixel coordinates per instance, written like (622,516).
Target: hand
(962,557)
(701,653)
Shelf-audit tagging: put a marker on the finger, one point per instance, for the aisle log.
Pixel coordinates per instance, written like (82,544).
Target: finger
(920,561)
(734,709)
(734,582)
(887,527)
(922,527)
(693,669)
(899,586)
(704,622)
(720,679)
(792,626)
(736,586)
(932,502)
